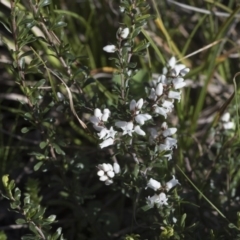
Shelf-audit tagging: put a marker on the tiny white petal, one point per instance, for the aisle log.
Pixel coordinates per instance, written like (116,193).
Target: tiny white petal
(95,120)
(103,178)
(172,183)
(116,168)
(172,62)
(110,167)
(98,128)
(110,48)
(124,33)
(108,182)
(139,131)
(168,104)
(226,117)
(229,125)
(98,113)
(164,126)
(162,199)
(171,142)
(103,133)
(106,143)
(133,105)
(139,104)
(159,89)
(105,167)
(152,95)
(153,184)
(184,71)
(174,95)
(110,174)
(100,173)
(169,132)
(60,96)
(106,114)
(141,118)
(160,110)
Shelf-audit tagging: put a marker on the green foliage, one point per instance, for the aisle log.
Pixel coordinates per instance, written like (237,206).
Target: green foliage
(54,74)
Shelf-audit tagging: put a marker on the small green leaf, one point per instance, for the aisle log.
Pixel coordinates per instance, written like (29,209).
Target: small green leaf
(51,218)
(20,221)
(57,234)
(37,166)
(43,144)
(44,3)
(6,27)
(25,130)
(59,24)
(5,180)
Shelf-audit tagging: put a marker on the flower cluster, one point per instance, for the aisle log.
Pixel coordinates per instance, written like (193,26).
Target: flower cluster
(160,199)
(107,172)
(226,123)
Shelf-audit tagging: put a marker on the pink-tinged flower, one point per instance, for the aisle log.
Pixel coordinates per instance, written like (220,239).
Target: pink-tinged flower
(169,132)
(172,183)
(124,33)
(153,184)
(141,118)
(110,48)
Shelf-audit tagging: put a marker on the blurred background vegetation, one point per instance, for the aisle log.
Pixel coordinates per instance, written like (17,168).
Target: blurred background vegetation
(68,185)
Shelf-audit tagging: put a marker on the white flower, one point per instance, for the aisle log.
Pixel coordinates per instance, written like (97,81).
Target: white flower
(107,142)
(169,144)
(159,89)
(174,95)
(124,33)
(163,79)
(152,200)
(116,168)
(225,117)
(160,110)
(228,125)
(184,71)
(60,96)
(127,127)
(103,133)
(169,132)
(178,83)
(163,199)
(110,48)
(177,68)
(168,105)
(105,115)
(153,184)
(153,95)
(172,183)
(135,106)
(106,173)
(141,118)
(158,200)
